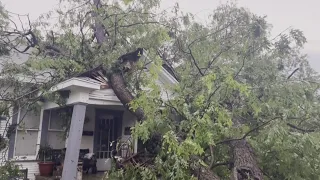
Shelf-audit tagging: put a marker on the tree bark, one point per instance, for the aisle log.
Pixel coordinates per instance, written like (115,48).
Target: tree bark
(203,173)
(124,95)
(115,77)
(99,30)
(245,165)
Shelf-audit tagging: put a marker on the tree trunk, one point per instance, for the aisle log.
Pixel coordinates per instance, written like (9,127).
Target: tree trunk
(245,163)
(117,83)
(99,30)
(124,95)
(203,173)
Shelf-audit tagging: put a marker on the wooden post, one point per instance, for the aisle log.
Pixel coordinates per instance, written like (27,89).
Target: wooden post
(74,141)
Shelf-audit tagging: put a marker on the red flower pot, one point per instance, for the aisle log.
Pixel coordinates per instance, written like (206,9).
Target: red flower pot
(45,168)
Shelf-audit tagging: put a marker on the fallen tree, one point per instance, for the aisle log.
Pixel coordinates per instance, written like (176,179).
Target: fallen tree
(241,109)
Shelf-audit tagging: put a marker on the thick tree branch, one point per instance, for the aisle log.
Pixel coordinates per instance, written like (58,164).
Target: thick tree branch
(248,133)
(194,60)
(124,95)
(99,29)
(293,73)
(300,129)
(245,163)
(222,164)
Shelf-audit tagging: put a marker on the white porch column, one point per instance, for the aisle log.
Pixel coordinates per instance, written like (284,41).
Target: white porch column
(74,141)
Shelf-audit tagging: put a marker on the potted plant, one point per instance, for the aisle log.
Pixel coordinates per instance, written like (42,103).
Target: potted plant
(45,161)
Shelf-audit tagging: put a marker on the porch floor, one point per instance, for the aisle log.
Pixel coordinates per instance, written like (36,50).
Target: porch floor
(98,176)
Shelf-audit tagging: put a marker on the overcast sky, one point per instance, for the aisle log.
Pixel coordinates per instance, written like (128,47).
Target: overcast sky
(304,15)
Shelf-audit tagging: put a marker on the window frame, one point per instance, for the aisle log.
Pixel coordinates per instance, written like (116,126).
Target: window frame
(28,157)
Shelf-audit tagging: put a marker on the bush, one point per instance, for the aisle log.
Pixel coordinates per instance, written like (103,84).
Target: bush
(8,171)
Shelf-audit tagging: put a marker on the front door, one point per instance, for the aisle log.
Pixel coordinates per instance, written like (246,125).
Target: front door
(106,131)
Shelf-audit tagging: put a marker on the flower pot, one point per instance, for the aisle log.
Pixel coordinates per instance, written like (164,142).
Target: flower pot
(46,168)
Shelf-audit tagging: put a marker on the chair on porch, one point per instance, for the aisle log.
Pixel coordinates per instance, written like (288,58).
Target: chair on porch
(58,157)
(125,148)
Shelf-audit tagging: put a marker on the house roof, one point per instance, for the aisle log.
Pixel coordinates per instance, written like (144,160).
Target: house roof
(95,78)
(166,75)
(97,73)
(170,70)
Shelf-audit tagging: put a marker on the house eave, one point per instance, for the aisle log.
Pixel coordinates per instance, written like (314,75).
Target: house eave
(77,83)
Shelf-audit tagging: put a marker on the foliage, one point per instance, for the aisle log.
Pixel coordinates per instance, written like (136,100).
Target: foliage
(45,153)
(9,170)
(65,114)
(235,83)
(3,143)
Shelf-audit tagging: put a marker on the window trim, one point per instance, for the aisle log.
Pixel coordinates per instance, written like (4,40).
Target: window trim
(25,158)
(27,129)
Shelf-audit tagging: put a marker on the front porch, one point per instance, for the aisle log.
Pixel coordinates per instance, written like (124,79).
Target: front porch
(98,176)
(94,127)
(96,120)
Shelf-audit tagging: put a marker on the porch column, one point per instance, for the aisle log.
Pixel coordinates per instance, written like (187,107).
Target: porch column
(74,141)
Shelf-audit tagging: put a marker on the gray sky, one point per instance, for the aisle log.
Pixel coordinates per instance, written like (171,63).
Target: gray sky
(280,13)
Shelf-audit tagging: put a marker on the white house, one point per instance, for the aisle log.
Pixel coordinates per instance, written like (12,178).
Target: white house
(95,109)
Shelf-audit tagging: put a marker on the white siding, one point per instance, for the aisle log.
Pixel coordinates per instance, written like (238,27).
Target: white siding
(128,121)
(3,125)
(32,167)
(4,152)
(105,94)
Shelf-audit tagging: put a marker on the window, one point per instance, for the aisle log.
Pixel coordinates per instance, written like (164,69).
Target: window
(56,139)
(29,120)
(56,133)
(56,123)
(26,143)
(27,134)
